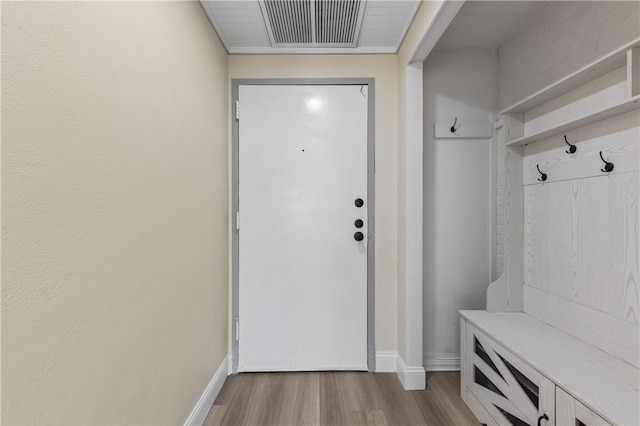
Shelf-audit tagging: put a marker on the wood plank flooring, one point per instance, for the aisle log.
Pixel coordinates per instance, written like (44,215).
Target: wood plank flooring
(338,398)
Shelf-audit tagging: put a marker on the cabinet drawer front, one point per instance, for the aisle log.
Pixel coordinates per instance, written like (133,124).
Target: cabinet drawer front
(508,388)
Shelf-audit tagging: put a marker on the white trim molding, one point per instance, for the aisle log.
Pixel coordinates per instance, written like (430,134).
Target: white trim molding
(386,361)
(208,397)
(412,378)
(442,363)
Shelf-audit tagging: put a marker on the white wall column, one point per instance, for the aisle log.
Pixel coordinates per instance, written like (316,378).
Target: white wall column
(414,377)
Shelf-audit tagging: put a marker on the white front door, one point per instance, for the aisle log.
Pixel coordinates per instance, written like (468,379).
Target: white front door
(302,272)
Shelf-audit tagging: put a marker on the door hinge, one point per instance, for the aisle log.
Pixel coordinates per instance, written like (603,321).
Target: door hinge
(237,110)
(237,328)
(237,221)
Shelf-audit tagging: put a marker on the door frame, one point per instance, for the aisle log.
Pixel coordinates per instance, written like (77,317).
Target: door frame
(235,167)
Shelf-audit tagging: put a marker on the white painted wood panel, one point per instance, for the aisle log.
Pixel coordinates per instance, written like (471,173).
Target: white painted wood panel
(550,265)
(581,242)
(618,138)
(464,130)
(505,294)
(588,417)
(599,380)
(598,68)
(611,334)
(624,258)
(569,412)
(562,38)
(633,71)
(604,92)
(547,400)
(478,409)
(565,408)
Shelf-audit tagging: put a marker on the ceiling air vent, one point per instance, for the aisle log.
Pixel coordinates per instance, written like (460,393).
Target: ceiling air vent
(313,23)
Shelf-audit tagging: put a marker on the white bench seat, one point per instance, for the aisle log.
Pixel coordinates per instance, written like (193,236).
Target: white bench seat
(606,384)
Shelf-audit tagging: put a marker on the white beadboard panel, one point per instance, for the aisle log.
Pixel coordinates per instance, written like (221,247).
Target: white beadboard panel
(618,138)
(613,335)
(624,255)
(238,23)
(385,23)
(560,39)
(242,28)
(604,92)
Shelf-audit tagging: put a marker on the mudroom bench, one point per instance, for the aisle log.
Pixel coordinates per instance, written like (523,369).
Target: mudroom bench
(519,370)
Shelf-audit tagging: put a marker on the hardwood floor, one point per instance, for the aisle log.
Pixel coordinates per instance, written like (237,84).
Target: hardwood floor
(338,398)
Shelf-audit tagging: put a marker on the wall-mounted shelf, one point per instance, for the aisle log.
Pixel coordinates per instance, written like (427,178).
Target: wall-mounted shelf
(594,70)
(612,81)
(631,104)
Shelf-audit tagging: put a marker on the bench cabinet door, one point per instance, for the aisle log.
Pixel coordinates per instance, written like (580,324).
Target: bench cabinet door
(510,391)
(570,412)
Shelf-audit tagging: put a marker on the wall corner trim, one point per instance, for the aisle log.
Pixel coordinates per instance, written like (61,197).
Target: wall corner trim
(412,378)
(204,404)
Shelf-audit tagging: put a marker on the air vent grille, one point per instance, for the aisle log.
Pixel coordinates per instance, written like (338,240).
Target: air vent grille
(313,23)
(290,21)
(336,21)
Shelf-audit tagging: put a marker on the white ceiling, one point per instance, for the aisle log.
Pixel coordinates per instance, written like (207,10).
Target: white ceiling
(242,27)
(486,24)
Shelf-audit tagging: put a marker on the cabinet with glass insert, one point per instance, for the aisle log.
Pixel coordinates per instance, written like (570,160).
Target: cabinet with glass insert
(507,389)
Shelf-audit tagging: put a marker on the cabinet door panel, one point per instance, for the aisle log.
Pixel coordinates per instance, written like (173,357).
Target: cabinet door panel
(547,405)
(570,412)
(507,387)
(586,417)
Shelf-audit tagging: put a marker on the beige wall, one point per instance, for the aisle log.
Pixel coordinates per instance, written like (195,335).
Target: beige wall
(115,211)
(383,69)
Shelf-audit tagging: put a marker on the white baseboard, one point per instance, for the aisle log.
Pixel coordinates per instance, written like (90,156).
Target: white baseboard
(204,404)
(386,361)
(412,378)
(442,364)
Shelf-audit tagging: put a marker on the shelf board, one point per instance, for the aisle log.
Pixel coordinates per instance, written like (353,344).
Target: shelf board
(598,68)
(629,105)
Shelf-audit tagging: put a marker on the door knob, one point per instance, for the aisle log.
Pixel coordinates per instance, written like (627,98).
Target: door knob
(359,202)
(358,223)
(358,236)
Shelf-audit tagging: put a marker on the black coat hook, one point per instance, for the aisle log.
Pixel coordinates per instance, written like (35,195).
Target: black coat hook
(453,128)
(608,167)
(572,148)
(543,176)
